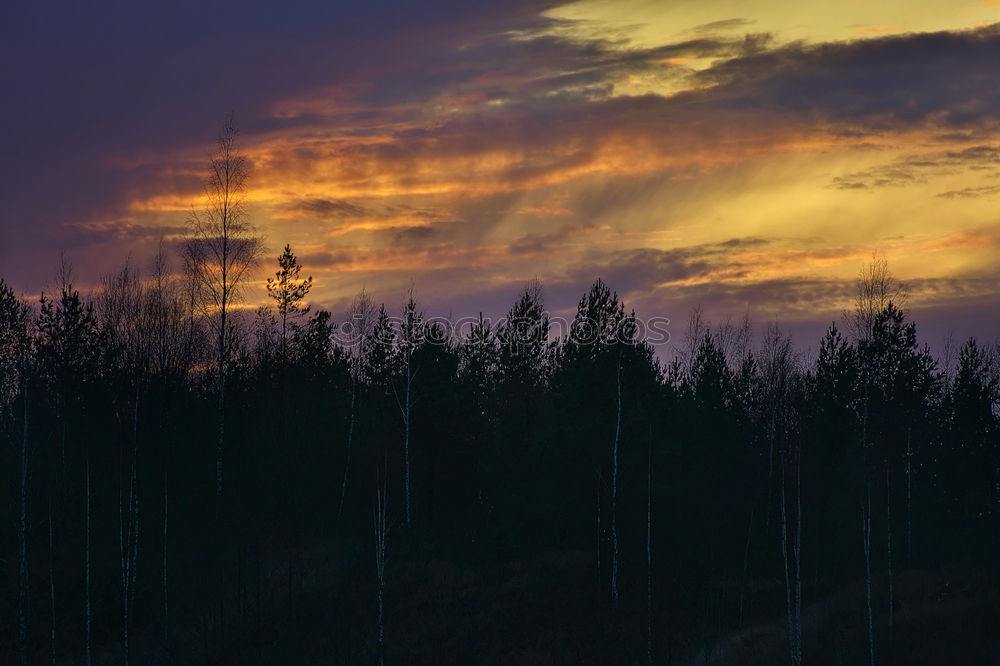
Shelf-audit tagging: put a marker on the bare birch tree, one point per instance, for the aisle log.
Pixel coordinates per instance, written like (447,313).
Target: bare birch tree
(735,339)
(221,253)
(123,305)
(362,319)
(876,287)
(171,355)
(696,330)
(776,366)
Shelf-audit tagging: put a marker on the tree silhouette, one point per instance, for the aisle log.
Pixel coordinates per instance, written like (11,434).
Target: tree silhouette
(221,253)
(288,290)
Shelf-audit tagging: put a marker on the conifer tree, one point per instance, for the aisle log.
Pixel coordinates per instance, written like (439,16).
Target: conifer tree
(288,290)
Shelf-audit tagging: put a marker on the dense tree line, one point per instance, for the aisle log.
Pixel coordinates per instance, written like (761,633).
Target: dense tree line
(188,479)
(494,445)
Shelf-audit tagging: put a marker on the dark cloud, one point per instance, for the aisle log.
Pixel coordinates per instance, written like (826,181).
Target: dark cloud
(725,24)
(643,269)
(793,298)
(127,231)
(327,259)
(536,243)
(970,192)
(428,214)
(324,209)
(742,242)
(413,235)
(881,176)
(975,155)
(886,83)
(915,169)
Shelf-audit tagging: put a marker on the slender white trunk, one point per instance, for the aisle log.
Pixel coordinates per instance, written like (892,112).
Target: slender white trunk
(770,477)
(381,626)
(909,496)
(649,556)
(222,403)
(123,539)
(52,590)
(223,304)
(614,491)
(381,533)
(793,590)
(219,449)
(350,440)
(866,526)
(789,628)
(406,436)
(888,548)
(166,607)
(746,566)
(87,613)
(600,542)
(798,558)
(22,533)
(128,537)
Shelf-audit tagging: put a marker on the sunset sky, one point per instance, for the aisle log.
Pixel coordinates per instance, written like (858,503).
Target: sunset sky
(740,155)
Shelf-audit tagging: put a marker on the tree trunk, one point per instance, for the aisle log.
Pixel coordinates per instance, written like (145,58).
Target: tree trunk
(770,478)
(649,555)
(381,533)
(789,628)
(793,589)
(614,491)
(350,441)
(888,548)
(909,496)
(866,526)
(600,543)
(746,566)
(166,605)
(406,438)
(87,611)
(128,535)
(222,404)
(52,589)
(22,533)
(220,444)
(798,557)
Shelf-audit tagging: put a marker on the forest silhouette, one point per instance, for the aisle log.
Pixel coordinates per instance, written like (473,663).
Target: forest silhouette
(193,480)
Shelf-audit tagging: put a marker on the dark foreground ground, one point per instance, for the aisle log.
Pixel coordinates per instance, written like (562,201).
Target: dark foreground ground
(546,611)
